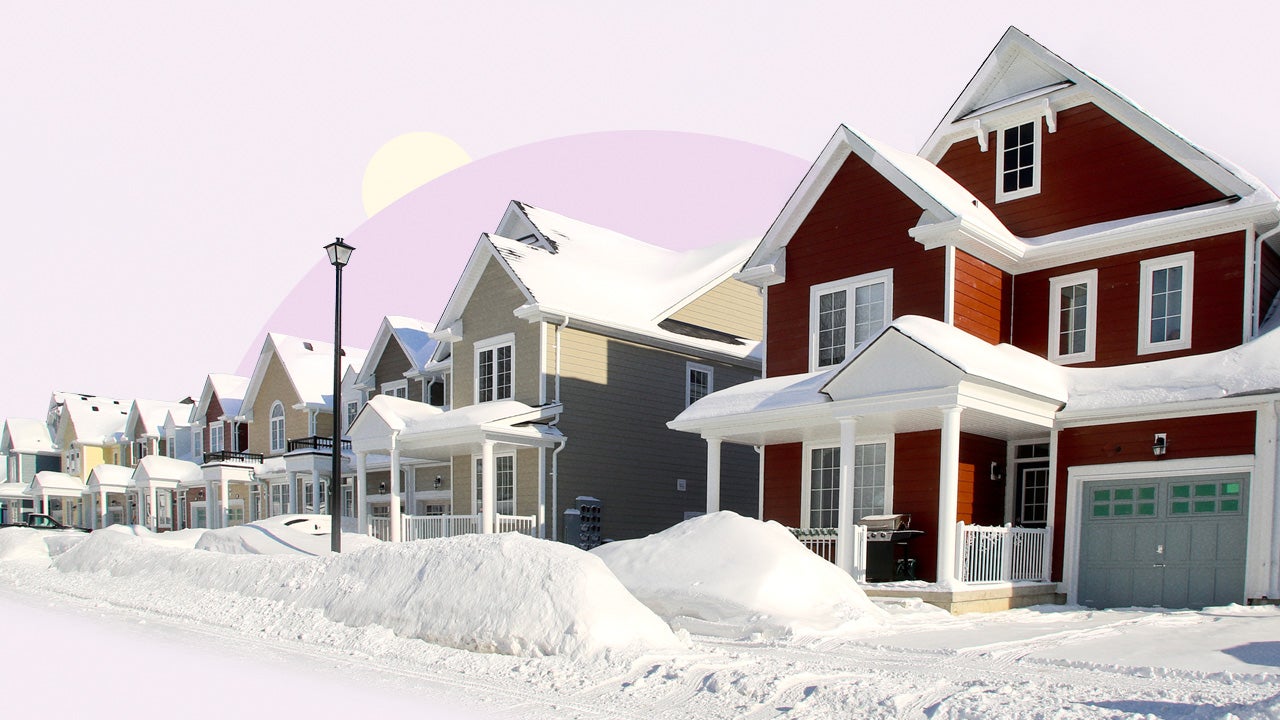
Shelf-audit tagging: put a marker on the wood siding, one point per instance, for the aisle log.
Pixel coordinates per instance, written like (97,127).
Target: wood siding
(392,366)
(275,386)
(618,397)
(1217,308)
(489,314)
(783,465)
(858,226)
(983,299)
(464,490)
(1188,437)
(1093,169)
(732,306)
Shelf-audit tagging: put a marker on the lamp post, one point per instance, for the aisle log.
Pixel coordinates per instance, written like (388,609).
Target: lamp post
(339,256)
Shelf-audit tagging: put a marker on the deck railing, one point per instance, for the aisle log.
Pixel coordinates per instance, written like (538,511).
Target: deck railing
(427,527)
(316,442)
(232,456)
(1002,554)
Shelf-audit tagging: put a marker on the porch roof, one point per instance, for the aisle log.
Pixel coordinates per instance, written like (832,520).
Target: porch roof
(57,484)
(14,491)
(111,478)
(895,383)
(164,472)
(423,431)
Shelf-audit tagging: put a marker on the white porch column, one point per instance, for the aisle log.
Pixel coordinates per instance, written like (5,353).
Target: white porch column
(488,491)
(948,495)
(315,490)
(713,475)
(844,522)
(210,504)
(292,479)
(153,518)
(410,490)
(224,507)
(44,503)
(395,487)
(362,512)
(102,508)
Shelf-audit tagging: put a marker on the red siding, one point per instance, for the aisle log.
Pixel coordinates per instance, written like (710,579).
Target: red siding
(783,465)
(1218,302)
(982,300)
(211,416)
(859,225)
(1093,169)
(1188,437)
(916,458)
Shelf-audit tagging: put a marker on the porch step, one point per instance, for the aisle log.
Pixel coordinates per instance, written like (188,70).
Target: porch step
(982,598)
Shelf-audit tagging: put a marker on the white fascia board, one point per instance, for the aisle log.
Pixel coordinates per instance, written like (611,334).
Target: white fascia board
(461,295)
(963,235)
(1007,404)
(771,270)
(1189,408)
(364,379)
(1026,110)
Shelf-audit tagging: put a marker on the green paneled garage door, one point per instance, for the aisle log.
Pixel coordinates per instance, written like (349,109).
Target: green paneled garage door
(1170,542)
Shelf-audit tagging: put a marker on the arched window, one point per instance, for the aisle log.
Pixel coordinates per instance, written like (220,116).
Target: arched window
(277,427)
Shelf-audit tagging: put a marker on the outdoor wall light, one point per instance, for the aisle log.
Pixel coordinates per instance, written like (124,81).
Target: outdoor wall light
(997,472)
(439,481)
(1160,445)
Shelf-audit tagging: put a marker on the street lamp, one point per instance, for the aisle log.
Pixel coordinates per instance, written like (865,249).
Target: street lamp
(339,256)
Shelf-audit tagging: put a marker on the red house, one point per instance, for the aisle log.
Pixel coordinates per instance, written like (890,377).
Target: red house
(1043,339)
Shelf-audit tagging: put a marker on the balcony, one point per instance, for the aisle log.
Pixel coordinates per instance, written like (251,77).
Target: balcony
(316,442)
(232,456)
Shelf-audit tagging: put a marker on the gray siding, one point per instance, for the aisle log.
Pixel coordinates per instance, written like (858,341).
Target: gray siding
(526,482)
(489,314)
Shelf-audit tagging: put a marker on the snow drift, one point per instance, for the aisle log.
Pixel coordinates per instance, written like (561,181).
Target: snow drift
(490,593)
(280,535)
(725,574)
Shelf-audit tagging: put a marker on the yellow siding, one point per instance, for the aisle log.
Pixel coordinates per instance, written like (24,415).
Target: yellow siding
(275,386)
(464,492)
(732,306)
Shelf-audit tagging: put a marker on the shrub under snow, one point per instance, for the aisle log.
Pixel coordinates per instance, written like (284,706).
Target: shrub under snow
(729,575)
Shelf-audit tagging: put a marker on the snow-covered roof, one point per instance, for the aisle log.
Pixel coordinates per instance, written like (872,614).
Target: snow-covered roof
(158,468)
(307,363)
(230,390)
(48,482)
(567,268)
(413,337)
(110,476)
(96,420)
(25,435)
(152,414)
(385,414)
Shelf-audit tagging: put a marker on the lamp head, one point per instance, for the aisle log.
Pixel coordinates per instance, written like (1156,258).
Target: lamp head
(339,252)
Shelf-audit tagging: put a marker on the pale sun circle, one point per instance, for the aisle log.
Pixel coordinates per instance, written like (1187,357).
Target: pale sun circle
(406,163)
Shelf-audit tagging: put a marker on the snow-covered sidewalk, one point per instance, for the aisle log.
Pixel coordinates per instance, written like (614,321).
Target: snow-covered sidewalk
(114,643)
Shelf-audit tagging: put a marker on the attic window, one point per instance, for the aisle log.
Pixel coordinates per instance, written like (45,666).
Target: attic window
(1018,161)
(308,346)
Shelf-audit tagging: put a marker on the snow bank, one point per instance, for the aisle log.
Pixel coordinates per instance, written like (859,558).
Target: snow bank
(280,535)
(491,593)
(724,574)
(24,545)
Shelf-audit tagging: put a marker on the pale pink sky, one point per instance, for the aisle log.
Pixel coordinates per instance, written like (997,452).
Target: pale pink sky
(171,170)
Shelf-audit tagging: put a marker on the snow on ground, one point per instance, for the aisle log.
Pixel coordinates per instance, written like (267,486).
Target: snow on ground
(133,638)
(723,574)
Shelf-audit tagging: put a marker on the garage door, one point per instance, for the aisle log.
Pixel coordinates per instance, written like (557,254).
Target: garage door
(1171,542)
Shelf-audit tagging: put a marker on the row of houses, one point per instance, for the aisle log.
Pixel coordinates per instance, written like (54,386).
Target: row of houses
(1044,342)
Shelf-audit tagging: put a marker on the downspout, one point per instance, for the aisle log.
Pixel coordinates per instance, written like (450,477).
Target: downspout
(555,454)
(1274,585)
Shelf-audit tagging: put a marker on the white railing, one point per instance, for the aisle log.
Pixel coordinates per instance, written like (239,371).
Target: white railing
(823,541)
(1002,554)
(428,527)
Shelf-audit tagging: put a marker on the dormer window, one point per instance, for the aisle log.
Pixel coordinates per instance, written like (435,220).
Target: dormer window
(1018,161)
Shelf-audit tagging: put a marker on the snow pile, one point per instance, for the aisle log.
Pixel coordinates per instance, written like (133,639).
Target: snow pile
(23,545)
(491,593)
(724,574)
(280,535)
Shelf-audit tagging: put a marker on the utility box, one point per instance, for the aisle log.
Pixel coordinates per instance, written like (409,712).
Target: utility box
(582,524)
(572,526)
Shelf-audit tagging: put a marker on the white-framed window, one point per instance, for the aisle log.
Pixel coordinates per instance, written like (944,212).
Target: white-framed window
(504,480)
(170,444)
(216,437)
(698,382)
(1164,303)
(872,482)
(311,422)
(277,426)
(197,444)
(1018,161)
(396,388)
(279,499)
(494,368)
(844,314)
(1073,317)
(353,409)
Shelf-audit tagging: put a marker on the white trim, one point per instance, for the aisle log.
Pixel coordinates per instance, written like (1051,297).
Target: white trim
(1089,279)
(849,286)
(391,388)
(493,343)
(1148,267)
(689,368)
(1078,475)
(475,481)
(1036,160)
(949,298)
(219,433)
(807,467)
(271,421)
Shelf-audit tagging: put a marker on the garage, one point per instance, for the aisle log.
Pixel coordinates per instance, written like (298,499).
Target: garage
(1176,542)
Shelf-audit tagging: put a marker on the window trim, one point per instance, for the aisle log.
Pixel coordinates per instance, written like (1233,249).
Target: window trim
(806,488)
(1037,145)
(390,388)
(494,344)
(1148,268)
(849,286)
(353,410)
(476,482)
(689,369)
(271,427)
(215,430)
(1088,278)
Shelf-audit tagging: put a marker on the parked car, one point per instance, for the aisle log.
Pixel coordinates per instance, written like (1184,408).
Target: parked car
(40,521)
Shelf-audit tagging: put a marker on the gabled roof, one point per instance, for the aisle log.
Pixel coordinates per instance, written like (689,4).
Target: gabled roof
(152,414)
(25,435)
(230,390)
(570,269)
(419,422)
(1020,70)
(412,337)
(50,482)
(91,419)
(108,476)
(158,468)
(946,205)
(308,365)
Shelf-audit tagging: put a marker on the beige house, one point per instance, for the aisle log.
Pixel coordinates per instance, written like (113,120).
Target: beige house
(568,347)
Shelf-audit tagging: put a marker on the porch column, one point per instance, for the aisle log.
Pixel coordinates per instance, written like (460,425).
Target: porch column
(210,503)
(948,494)
(292,479)
(488,493)
(44,503)
(102,508)
(844,507)
(395,487)
(153,517)
(315,491)
(411,490)
(224,509)
(362,520)
(713,474)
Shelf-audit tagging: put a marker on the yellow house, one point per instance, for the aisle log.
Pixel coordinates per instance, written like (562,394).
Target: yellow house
(88,429)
